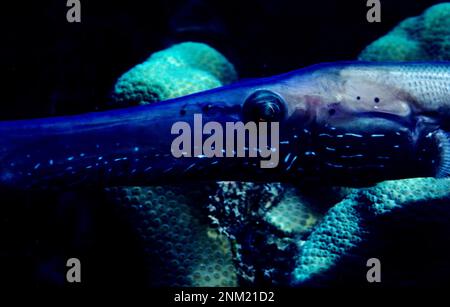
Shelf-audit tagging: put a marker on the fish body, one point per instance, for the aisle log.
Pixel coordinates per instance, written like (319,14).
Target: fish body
(350,123)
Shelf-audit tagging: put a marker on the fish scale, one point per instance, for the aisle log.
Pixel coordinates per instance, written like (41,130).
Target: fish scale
(428,83)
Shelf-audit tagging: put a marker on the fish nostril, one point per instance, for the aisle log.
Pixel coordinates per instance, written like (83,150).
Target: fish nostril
(331,112)
(377,100)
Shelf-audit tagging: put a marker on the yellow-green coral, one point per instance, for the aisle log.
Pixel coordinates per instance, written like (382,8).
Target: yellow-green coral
(293,214)
(358,221)
(180,70)
(426,37)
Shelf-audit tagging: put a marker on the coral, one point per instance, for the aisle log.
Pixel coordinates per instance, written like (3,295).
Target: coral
(426,37)
(360,221)
(181,248)
(180,70)
(236,209)
(296,240)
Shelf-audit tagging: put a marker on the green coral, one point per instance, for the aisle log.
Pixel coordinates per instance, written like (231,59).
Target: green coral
(180,70)
(426,37)
(362,213)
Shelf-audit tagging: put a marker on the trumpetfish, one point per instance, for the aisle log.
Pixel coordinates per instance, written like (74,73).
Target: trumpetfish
(345,123)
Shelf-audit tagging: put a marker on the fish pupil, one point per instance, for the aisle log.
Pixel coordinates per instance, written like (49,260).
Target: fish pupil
(264,105)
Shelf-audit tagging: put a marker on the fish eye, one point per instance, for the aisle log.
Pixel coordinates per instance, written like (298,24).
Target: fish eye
(264,105)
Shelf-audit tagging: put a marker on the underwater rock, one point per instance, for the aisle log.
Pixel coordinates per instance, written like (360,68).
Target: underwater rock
(180,70)
(426,37)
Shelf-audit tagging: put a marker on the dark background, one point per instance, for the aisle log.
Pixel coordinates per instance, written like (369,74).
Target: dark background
(50,67)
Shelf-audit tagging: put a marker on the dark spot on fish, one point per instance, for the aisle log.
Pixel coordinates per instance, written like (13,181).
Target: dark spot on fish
(359,98)
(377,100)
(331,112)
(206,108)
(182,112)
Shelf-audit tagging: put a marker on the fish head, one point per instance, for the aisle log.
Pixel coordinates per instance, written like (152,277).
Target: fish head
(354,131)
